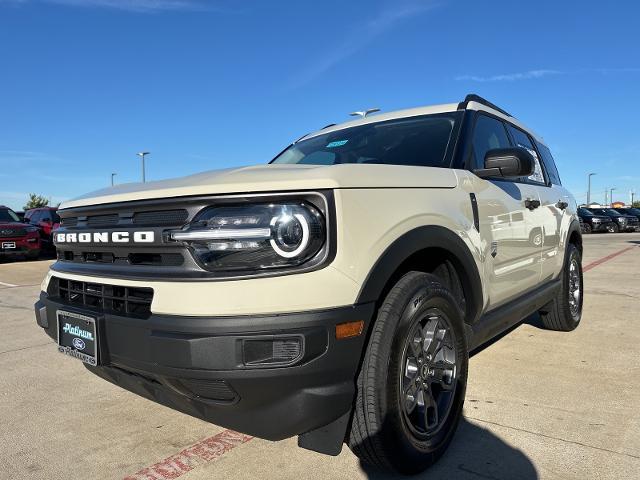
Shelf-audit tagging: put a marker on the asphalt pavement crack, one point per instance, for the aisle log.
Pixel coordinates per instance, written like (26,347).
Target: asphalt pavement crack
(26,348)
(554,438)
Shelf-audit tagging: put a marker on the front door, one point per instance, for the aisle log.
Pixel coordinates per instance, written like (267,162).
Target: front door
(510,226)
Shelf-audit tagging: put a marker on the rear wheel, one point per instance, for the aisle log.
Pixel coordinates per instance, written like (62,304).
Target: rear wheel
(412,382)
(564,313)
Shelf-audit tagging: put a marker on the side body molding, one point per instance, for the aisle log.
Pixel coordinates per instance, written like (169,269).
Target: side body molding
(430,236)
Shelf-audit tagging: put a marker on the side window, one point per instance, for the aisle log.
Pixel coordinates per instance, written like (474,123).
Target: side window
(488,134)
(45,216)
(35,217)
(521,139)
(549,163)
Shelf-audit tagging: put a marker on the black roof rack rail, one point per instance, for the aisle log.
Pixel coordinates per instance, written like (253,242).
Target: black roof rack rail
(330,125)
(472,97)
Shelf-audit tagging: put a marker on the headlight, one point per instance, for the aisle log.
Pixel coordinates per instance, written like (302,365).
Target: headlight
(255,237)
(31,229)
(595,220)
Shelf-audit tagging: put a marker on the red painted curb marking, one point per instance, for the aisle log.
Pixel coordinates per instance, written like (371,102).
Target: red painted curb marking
(182,462)
(606,259)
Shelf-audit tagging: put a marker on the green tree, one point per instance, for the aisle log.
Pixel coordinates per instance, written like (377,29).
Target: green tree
(636,204)
(36,201)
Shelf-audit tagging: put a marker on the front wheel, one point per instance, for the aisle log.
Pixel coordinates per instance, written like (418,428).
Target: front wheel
(411,386)
(612,228)
(586,228)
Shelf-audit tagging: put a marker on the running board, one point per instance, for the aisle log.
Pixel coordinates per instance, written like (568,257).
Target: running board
(496,321)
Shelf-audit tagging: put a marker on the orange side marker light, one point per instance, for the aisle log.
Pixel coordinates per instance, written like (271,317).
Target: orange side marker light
(349,329)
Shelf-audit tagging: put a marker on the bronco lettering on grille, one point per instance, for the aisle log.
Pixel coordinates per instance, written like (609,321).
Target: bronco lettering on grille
(105,237)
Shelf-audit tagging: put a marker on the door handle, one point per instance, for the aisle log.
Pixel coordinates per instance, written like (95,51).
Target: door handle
(562,205)
(531,204)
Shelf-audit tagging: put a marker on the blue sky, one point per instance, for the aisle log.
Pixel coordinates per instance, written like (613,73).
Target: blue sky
(85,84)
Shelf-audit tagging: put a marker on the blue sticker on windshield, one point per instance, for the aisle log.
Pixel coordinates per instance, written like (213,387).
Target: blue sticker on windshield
(337,143)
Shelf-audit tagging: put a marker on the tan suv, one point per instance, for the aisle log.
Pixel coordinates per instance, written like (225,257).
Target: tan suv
(332,294)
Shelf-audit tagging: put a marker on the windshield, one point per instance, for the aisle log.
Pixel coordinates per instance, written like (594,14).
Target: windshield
(7,215)
(420,141)
(584,212)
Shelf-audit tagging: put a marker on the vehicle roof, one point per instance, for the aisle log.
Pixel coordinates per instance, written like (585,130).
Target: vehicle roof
(472,102)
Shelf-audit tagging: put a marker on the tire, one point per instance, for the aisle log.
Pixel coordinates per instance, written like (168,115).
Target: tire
(613,228)
(564,314)
(586,228)
(385,431)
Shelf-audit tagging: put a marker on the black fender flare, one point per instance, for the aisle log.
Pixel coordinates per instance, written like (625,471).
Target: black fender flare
(574,227)
(429,236)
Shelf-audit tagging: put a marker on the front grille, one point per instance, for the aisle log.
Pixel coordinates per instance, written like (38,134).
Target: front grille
(13,232)
(103,220)
(156,218)
(161,217)
(123,258)
(126,301)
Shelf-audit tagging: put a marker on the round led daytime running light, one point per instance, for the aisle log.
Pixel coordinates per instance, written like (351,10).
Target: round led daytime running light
(303,243)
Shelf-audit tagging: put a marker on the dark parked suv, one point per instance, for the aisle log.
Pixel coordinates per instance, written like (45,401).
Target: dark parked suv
(596,223)
(635,212)
(16,237)
(624,223)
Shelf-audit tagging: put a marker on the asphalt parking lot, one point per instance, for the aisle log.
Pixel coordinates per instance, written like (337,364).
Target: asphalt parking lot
(539,404)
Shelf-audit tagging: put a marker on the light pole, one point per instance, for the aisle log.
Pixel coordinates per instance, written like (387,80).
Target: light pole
(606,192)
(589,189)
(142,155)
(632,195)
(611,196)
(112,175)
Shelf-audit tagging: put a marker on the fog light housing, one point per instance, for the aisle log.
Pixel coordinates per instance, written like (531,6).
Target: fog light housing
(272,351)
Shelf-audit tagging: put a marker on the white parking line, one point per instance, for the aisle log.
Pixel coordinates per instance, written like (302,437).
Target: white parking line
(8,284)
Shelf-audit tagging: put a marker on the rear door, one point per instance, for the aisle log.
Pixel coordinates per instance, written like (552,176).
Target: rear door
(512,241)
(560,209)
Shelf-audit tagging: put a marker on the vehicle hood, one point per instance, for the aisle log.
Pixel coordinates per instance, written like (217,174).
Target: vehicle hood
(275,178)
(13,225)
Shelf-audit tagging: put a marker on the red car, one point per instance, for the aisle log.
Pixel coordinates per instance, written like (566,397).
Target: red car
(47,220)
(16,237)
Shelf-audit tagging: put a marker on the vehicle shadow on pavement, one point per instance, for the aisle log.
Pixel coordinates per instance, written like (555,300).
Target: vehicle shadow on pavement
(474,453)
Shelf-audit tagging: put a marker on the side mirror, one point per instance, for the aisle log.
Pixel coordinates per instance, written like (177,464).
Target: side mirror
(506,163)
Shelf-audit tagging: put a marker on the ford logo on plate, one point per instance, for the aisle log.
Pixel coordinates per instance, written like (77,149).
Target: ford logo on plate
(78,343)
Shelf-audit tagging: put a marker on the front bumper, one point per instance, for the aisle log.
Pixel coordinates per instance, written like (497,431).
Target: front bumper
(600,227)
(197,365)
(23,245)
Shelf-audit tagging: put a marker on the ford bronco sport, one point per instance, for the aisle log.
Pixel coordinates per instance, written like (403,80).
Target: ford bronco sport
(333,294)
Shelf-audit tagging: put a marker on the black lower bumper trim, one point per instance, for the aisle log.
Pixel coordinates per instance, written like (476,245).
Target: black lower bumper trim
(196,365)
